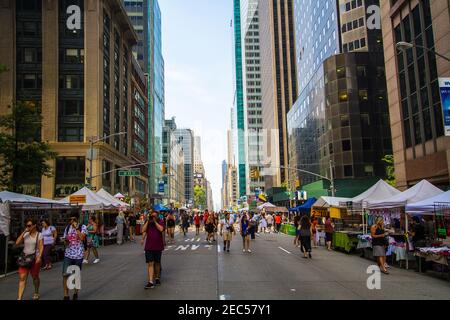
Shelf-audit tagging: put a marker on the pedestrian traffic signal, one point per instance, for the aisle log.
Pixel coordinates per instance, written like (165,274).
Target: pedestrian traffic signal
(164,169)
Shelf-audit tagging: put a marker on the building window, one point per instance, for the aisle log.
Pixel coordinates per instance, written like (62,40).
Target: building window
(363,95)
(343,96)
(346,145)
(348,171)
(345,120)
(367,144)
(341,72)
(368,170)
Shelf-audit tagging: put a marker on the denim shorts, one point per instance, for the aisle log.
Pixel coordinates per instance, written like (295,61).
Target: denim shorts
(71,262)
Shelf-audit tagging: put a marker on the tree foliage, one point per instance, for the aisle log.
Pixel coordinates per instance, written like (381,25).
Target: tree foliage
(23,155)
(199,197)
(390,169)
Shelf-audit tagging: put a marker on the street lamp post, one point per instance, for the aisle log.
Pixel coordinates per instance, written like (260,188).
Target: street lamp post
(92,142)
(403,46)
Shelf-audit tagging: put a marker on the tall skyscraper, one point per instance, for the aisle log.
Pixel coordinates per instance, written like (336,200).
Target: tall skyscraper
(421,149)
(279,84)
(248,102)
(145,16)
(340,121)
(186,138)
(82,97)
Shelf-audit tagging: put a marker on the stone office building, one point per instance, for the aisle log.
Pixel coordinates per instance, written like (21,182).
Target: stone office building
(81,78)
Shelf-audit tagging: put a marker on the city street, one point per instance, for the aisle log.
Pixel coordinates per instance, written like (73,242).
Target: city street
(194,270)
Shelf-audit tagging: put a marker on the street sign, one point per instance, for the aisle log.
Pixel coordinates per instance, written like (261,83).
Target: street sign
(130,173)
(161,187)
(77,199)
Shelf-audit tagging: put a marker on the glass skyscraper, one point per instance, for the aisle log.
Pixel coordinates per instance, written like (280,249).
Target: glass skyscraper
(248,96)
(145,16)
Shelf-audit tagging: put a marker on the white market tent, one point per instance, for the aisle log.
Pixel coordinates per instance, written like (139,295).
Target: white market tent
(428,206)
(266,205)
(93,201)
(327,202)
(119,196)
(380,191)
(421,191)
(19,201)
(115,202)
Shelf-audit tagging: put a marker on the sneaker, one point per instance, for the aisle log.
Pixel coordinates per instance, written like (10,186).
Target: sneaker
(224,249)
(85,261)
(75,296)
(249,251)
(228,250)
(149,286)
(157,282)
(96,261)
(243,250)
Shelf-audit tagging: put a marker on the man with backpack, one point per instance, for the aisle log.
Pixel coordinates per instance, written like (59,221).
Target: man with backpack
(74,237)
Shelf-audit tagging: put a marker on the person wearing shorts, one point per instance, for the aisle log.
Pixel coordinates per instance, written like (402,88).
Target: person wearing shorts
(33,246)
(153,240)
(226,231)
(74,236)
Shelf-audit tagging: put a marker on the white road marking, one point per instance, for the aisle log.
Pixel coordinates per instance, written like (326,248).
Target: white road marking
(183,248)
(198,240)
(224,297)
(194,247)
(284,250)
(218,248)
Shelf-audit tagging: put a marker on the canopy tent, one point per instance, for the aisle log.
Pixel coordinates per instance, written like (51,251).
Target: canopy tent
(119,196)
(428,206)
(380,191)
(421,191)
(22,201)
(93,201)
(114,201)
(328,202)
(306,206)
(5,218)
(160,207)
(266,205)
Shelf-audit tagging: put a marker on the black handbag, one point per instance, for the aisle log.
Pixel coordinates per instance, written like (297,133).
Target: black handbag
(27,260)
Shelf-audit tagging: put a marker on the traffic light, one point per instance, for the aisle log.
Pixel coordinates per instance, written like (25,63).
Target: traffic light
(164,169)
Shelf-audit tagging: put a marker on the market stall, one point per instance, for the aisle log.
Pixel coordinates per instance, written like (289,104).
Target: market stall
(14,210)
(304,209)
(438,207)
(393,209)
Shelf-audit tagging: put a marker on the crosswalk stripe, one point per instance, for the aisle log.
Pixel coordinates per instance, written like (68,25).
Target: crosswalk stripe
(284,250)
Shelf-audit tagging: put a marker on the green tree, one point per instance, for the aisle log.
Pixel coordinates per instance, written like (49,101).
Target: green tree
(24,156)
(390,169)
(199,197)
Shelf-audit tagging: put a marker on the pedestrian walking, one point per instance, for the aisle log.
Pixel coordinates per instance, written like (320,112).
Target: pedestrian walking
(278,222)
(185,223)
(31,257)
(379,243)
(170,222)
(74,236)
(227,231)
(329,230)
(132,227)
(49,235)
(269,219)
(120,221)
(305,236)
(297,232)
(314,224)
(93,242)
(209,227)
(197,220)
(263,224)
(244,226)
(154,243)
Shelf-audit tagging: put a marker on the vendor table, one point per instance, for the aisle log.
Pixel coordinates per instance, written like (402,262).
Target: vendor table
(442,258)
(288,229)
(347,240)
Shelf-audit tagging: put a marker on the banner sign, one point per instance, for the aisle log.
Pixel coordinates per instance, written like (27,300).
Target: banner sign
(77,199)
(444,85)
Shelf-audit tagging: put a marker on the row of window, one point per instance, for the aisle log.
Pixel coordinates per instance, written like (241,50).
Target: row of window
(350,5)
(355,24)
(354,45)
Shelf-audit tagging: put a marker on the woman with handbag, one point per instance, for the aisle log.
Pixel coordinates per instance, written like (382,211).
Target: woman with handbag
(49,235)
(245,226)
(30,259)
(379,243)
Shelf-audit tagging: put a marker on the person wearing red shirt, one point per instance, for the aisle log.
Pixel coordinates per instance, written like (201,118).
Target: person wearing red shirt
(197,224)
(278,222)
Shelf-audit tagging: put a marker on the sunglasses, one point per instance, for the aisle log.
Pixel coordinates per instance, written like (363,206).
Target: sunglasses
(29,225)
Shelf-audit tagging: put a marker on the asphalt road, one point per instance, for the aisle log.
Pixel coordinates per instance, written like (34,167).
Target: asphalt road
(194,270)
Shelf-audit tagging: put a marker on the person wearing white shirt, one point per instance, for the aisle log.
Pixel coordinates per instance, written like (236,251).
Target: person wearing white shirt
(227,231)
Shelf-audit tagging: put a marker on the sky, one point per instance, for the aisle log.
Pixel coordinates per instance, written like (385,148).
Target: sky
(198,54)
